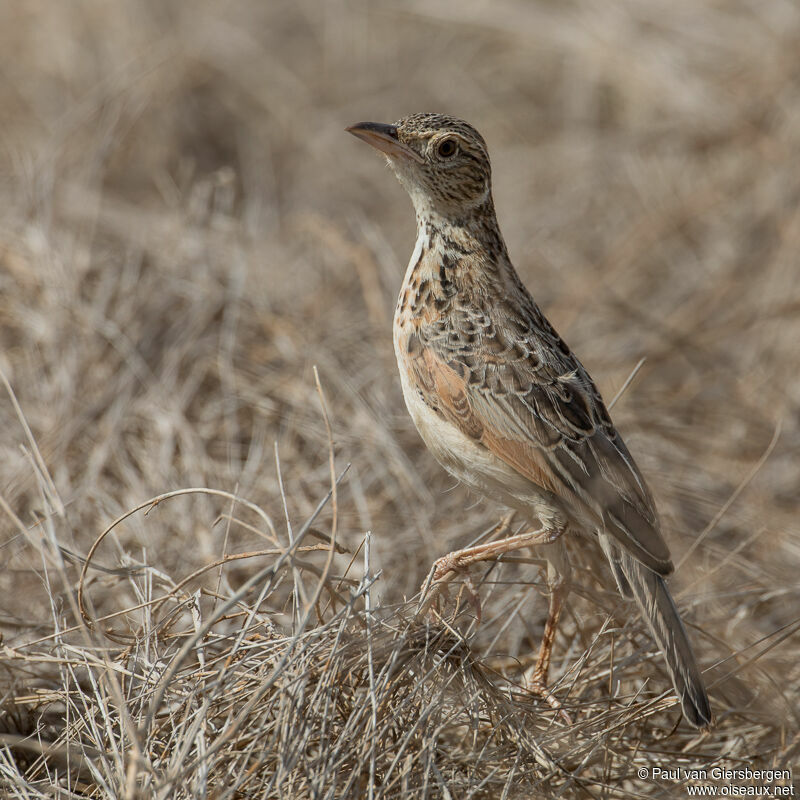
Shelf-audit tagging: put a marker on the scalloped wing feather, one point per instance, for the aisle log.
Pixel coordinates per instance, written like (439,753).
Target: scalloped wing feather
(528,400)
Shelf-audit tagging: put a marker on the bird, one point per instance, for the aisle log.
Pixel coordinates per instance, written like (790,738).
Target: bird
(505,406)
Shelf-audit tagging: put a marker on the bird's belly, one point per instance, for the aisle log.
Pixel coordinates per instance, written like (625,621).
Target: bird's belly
(477,467)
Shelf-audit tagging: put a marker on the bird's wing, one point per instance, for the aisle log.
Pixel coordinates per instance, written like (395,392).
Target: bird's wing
(514,386)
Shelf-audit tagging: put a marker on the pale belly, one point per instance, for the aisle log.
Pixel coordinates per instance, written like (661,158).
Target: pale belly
(470,462)
(465,459)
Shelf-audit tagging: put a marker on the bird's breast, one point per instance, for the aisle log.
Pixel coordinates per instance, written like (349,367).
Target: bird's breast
(468,460)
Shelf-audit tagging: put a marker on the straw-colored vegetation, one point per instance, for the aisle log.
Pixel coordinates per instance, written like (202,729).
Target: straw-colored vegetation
(186,231)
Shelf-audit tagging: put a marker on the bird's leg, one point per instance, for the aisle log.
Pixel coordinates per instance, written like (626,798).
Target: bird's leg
(459,561)
(558,584)
(542,666)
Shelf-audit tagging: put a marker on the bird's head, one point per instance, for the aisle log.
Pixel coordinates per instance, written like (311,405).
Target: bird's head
(442,162)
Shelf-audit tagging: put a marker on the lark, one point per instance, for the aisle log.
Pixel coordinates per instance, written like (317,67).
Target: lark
(505,406)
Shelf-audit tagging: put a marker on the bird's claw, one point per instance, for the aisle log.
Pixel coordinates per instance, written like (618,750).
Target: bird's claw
(445,569)
(537,687)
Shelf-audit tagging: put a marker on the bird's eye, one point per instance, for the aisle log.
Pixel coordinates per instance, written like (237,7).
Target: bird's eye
(447,148)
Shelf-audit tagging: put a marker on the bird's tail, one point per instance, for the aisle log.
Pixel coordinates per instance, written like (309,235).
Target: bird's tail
(658,608)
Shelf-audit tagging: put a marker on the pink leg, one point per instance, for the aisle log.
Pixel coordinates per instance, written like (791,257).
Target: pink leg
(558,572)
(558,576)
(459,561)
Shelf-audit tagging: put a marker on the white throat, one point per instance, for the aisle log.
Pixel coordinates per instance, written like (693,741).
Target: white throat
(422,243)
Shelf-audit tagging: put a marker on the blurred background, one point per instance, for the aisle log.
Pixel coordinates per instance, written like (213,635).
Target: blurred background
(186,230)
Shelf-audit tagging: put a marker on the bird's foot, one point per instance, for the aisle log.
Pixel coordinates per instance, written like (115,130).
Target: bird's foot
(536,686)
(443,572)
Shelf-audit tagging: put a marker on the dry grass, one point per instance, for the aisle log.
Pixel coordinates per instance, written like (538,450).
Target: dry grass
(185,231)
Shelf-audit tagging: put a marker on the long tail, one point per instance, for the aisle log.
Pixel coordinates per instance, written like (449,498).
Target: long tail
(659,611)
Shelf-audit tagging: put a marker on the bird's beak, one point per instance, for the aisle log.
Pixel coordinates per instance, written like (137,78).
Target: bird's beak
(383,138)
